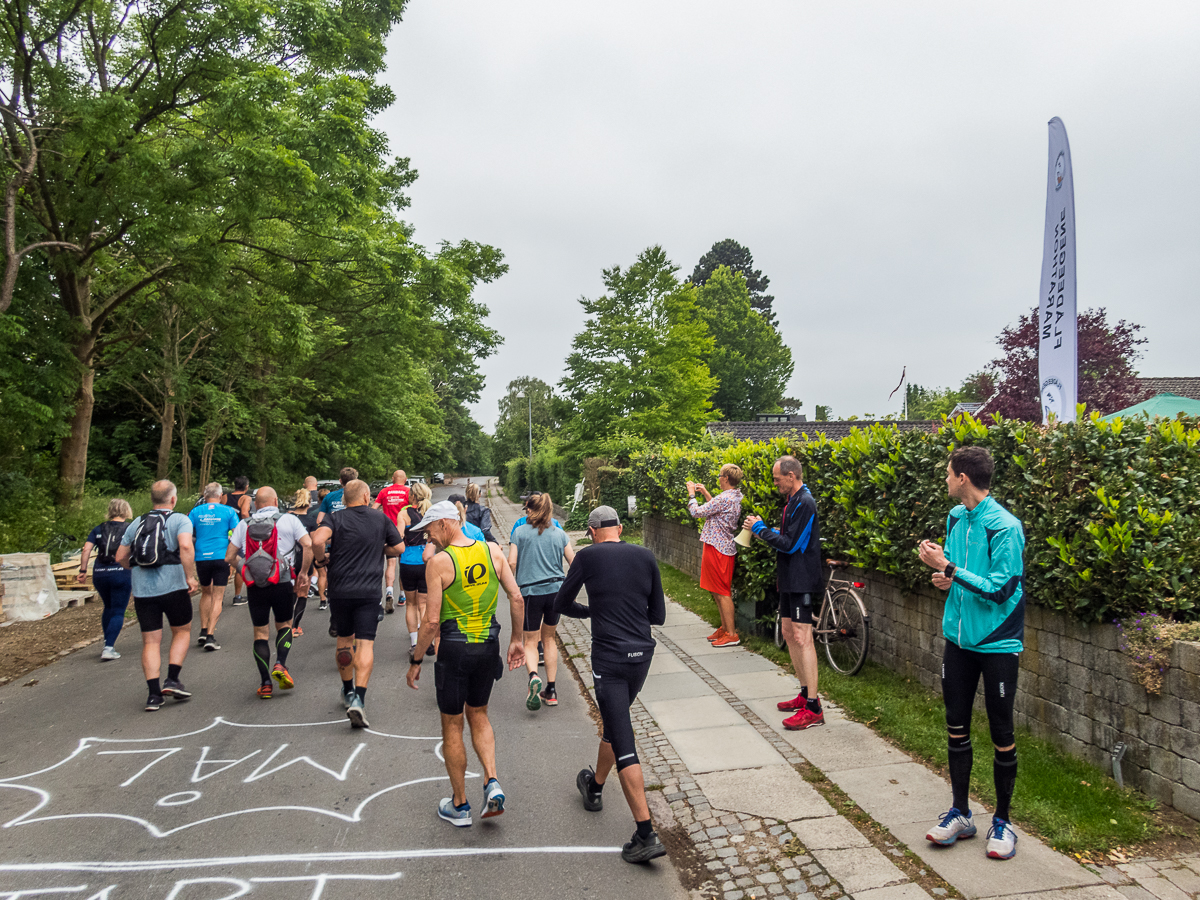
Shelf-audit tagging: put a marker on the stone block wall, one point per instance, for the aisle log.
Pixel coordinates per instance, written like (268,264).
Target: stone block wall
(1075,688)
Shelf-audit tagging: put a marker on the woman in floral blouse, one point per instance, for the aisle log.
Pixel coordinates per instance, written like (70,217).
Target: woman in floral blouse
(721,516)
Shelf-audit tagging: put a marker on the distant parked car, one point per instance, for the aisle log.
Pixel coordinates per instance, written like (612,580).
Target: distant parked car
(439,477)
(415,479)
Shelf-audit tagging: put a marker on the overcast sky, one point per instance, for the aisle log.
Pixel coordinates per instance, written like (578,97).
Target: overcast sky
(884,162)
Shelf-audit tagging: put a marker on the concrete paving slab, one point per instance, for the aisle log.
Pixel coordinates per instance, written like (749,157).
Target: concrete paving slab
(687,631)
(907,891)
(860,868)
(674,686)
(896,795)
(1094,892)
(735,662)
(726,747)
(696,646)
(666,663)
(771,792)
(836,833)
(849,746)
(760,685)
(692,712)
(966,865)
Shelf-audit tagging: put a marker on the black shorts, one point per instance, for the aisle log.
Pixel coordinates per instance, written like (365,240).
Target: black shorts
(617,685)
(412,578)
(539,609)
(271,599)
(176,606)
(797,607)
(357,618)
(212,571)
(961,670)
(464,673)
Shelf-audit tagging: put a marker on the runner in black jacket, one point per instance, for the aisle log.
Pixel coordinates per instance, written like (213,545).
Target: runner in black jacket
(797,543)
(625,598)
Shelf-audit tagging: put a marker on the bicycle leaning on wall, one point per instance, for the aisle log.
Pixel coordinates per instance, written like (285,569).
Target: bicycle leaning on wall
(843,625)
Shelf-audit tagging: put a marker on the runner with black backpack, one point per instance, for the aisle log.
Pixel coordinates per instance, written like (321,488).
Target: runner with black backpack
(158,550)
(264,549)
(112,582)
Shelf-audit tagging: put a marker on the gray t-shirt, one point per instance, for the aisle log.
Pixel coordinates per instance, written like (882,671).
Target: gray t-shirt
(539,558)
(164,579)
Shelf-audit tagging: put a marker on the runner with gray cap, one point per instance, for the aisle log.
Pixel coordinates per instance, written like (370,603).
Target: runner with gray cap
(625,597)
(463,582)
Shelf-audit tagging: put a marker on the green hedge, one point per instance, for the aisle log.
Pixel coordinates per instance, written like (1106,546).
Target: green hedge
(549,471)
(1111,510)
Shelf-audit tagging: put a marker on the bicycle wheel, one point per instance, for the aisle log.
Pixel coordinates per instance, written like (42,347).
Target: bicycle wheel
(779,641)
(845,631)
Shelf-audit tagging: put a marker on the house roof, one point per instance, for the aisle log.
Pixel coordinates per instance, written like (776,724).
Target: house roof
(1166,405)
(765,431)
(1184,387)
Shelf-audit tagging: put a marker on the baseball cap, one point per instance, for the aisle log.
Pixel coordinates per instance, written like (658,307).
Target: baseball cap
(458,498)
(603,517)
(443,510)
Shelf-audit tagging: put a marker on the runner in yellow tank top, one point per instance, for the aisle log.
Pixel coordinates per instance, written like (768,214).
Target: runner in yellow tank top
(463,584)
(469,603)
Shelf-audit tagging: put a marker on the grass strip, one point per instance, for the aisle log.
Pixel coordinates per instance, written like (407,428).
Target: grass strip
(1074,806)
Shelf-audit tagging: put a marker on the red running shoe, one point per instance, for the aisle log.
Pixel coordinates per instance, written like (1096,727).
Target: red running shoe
(805,718)
(716,634)
(265,692)
(727,640)
(792,705)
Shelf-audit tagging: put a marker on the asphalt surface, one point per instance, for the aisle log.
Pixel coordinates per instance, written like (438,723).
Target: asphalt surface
(226,795)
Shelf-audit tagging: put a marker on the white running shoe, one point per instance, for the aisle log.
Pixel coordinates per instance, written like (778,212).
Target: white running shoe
(109,653)
(1002,840)
(953,826)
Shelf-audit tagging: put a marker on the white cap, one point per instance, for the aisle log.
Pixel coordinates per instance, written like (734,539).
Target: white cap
(442,510)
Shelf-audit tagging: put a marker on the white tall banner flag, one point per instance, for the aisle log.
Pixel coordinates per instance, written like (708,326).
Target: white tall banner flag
(1058,367)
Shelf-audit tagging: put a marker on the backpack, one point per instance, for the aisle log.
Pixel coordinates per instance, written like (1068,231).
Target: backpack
(481,517)
(148,549)
(110,539)
(264,563)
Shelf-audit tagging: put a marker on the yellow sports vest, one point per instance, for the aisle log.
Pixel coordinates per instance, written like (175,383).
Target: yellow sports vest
(469,603)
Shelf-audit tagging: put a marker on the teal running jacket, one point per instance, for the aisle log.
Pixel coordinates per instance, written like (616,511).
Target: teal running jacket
(985,607)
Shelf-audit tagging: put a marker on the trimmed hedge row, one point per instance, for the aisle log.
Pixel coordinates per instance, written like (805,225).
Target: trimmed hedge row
(1111,510)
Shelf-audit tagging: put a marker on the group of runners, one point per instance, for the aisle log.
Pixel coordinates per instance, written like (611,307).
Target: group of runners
(451,570)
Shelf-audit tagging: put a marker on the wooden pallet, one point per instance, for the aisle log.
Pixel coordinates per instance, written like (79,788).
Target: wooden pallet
(76,598)
(65,574)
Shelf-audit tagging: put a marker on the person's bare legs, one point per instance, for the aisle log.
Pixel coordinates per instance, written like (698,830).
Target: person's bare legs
(549,650)
(413,611)
(530,640)
(483,739)
(238,584)
(181,640)
(633,783)
(364,662)
(725,608)
(211,598)
(152,653)
(802,651)
(455,753)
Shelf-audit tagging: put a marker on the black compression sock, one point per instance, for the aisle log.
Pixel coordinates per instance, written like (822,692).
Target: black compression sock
(644,829)
(347,686)
(549,685)
(203,632)
(154,685)
(361,691)
(804,691)
(283,643)
(961,758)
(173,672)
(1004,770)
(814,704)
(262,659)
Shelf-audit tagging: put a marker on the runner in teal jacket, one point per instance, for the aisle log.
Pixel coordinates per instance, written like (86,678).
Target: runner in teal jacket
(985,608)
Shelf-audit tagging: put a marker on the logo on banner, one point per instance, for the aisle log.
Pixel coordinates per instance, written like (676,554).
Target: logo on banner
(1053,398)
(1060,170)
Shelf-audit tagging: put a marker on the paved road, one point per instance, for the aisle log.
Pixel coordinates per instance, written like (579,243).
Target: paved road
(226,795)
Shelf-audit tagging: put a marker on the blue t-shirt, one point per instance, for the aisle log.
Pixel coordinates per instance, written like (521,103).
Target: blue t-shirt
(333,502)
(164,579)
(211,524)
(474,532)
(521,521)
(540,558)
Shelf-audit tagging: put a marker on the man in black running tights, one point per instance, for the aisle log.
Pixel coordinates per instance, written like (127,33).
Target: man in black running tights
(625,597)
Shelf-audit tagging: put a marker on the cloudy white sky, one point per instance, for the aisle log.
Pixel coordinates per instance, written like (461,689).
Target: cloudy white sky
(884,162)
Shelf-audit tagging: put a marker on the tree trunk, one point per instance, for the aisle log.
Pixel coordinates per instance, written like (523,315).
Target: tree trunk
(185,458)
(166,439)
(73,451)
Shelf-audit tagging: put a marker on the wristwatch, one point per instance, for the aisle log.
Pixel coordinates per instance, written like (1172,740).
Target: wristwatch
(951,568)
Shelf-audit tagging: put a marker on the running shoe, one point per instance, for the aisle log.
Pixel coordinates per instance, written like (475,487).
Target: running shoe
(727,640)
(200,640)
(804,718)
(458,816)
(211,644)
(265,691)
(541,654)
(109,653)
(716,634)
(431,650)
(401,601)
(282,677)
(953,826)
(154,703)
(533,702)
(297,631)
(799,702)
(239,600)
(388,604)
(347,697)
(356,712)
(332,630)
(549,696)
(323,605)
(643,849)
(593,800)
(379,614)
(173,687)
(493,799)
(1002,840)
